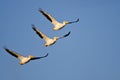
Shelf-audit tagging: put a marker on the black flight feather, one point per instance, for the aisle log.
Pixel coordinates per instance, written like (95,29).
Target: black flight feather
(67,34)
(39,57)
(34,28)
(74,21)
(45,14)
(11,52)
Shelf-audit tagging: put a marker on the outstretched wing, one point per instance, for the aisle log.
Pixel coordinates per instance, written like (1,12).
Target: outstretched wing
(48,16)
(34,58)
(41,35)
(13,53)
(74,21)
(66,34)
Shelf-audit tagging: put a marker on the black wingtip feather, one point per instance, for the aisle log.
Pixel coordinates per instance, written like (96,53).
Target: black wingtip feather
(74,21)
(77,20)
(67,34)
(45,14)
(46,55)
(39,57)
(6,49)
(33,27)
(37,32)
(40,10)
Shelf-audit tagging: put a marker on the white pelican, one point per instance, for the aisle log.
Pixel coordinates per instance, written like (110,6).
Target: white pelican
(57,25)
(48,41)
(23,60)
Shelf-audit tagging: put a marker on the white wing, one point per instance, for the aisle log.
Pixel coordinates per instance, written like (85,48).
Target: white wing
(49,17)
(19,56)
(41,35)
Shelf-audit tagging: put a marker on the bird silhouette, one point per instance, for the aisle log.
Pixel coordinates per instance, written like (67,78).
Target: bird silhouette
(23,59)
(57,25)
(48,41)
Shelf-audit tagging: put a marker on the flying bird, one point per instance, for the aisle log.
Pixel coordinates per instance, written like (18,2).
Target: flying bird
(48,41)
(23,60)
(57,25)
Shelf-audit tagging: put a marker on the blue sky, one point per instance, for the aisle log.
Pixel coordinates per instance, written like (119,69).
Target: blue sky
(91,52)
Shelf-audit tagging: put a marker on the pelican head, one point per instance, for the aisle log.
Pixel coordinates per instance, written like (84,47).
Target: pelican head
(65,22)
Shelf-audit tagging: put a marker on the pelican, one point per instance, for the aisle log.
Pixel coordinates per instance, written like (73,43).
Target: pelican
(23,60)
(48,41)
(57,25)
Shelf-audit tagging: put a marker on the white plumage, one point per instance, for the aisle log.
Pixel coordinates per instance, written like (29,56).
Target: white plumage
(23,60)
(57,25)
(48,41)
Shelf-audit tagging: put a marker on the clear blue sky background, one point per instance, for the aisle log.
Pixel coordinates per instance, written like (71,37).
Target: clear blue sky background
(91,52)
